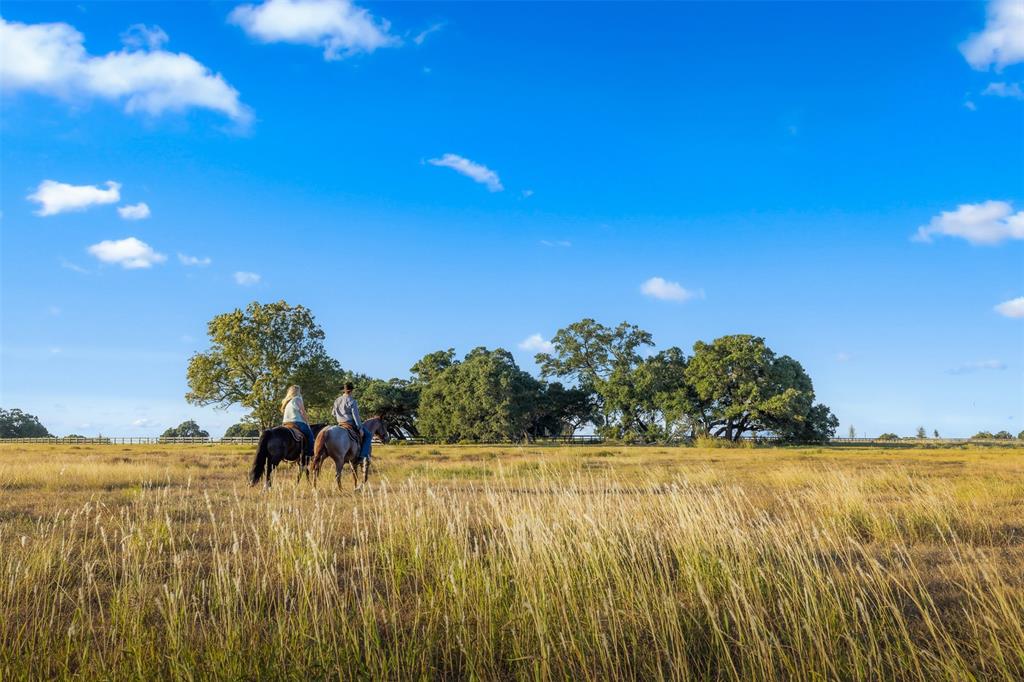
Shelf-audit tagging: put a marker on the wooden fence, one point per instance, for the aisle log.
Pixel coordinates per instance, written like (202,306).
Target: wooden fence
(557,440)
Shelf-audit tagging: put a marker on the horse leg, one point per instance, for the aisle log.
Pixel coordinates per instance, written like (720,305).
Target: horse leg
(270,471)
(339,464)
(366,469)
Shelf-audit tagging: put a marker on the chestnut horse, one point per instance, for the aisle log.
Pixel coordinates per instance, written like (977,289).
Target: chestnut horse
(335,443)
(279,445)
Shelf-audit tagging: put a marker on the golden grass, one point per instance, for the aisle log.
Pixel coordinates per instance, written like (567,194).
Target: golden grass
(503,562)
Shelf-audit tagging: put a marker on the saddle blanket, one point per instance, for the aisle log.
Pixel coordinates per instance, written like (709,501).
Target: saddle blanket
(295,431)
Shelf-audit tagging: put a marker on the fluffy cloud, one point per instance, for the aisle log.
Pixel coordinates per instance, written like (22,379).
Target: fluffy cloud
(989,222)
(1001,42)
(536,343)
(139,211)
(338,26)
(193,260)
(471,169)
(1011,90)
(129,253)
(141,36)
(51,59)
(971,367)
(57,197)
(247,279)
(1012,308)
(662,289)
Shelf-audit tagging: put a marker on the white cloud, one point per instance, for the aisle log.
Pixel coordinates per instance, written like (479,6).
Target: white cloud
(659,288)
(1011,90)
(843,356)
(143,423)
(338,26)
(129,253)
(1001,42)
(139,36)
(971,106)
(1012,308)
(51,59)
(247,279)
(536,343)
(137,211)
(989,222)
(68,265)
(422,35)
(57,197)
(193,260)
(971,367)
(471,169)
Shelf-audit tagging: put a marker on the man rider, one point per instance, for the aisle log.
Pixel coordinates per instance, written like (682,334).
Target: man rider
(346,411)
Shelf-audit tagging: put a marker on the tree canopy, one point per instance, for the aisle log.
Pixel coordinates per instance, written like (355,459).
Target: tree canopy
(15,423)
(186,429)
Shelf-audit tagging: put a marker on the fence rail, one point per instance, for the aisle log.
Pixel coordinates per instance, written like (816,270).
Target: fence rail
(554,440)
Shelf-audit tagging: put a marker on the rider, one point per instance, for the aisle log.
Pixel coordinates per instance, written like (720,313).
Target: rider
(346,411)
(295,416)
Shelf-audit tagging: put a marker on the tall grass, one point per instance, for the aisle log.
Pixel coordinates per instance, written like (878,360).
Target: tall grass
(528,572)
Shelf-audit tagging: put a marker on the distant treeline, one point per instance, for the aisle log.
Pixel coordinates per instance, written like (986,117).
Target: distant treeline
(607,377)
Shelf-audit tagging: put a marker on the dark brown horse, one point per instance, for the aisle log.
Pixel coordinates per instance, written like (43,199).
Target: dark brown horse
(336,444)
(279,445)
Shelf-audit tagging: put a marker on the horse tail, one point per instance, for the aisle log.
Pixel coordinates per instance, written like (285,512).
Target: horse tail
(260,462)
(320,445)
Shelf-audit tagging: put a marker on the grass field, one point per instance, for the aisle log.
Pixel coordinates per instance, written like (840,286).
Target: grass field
(508,563)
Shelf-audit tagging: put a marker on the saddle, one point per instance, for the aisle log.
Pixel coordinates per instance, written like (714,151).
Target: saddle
(294,430)
(353,432)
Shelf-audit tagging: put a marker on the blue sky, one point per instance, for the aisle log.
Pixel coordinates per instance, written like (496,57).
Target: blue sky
(844,179)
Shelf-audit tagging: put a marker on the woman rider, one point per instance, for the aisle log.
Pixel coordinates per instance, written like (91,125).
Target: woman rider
(295,416)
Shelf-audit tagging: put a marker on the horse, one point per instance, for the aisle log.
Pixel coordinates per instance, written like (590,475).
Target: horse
(335,443)
(278,445)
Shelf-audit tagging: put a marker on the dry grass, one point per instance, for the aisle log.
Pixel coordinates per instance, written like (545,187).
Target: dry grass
(494,563)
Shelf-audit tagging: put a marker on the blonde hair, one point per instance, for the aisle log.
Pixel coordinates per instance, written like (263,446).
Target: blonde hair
(293,392)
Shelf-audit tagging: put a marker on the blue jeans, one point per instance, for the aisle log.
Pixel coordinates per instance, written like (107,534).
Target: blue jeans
(307,444)
(364,452)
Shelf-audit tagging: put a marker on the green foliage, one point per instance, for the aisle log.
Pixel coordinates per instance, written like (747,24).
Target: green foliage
(888,436)
(186,429)
(243,429)
(982,435)
(1020,436)
(1003,435)
(921,433)
(560,411)
(255,355)
(484,397)
(741,386)
(396,401)
(18,424)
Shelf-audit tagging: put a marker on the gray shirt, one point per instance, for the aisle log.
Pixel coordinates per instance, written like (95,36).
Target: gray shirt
(346,410)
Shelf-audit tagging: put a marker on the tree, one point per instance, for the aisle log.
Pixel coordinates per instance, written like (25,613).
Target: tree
(1020,436)
(396,401)
(255,355)
(1003,435)
(982,435)
(852,432)
(888,436)
(742,386)
(560,411)
(601,360)
(186,429)
(243,429)
(484,397)
(921,433)
(935,433)
(17,424)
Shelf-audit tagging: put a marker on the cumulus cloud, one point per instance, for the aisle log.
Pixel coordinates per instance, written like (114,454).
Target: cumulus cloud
(58,197)
(140,36)
(1012,308)
(472,170)
(193,260)
(139,211)
(1001,42)
(422,35)
(129,253)
(338,26)
(247,279)
(662,289)
(971,367)
(536,343)
(988,223)
(1011,90)
(51,59)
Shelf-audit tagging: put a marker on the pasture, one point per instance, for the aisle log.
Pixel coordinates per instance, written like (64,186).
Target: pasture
(151,561)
